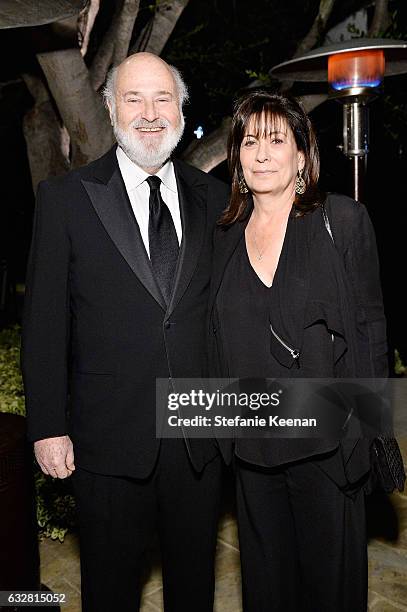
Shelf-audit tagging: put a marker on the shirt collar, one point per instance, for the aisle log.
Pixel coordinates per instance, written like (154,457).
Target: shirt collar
(167,175)
(133,175)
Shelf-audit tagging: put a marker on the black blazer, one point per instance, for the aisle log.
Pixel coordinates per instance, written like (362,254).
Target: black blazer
(324,288)
(96,330)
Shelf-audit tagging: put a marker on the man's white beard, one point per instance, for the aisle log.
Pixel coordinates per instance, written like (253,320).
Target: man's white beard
(148,154)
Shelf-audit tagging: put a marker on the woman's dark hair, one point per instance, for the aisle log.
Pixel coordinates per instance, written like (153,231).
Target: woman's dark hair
(268,109)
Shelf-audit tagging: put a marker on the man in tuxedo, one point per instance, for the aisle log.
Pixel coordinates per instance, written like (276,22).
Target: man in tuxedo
(116,296)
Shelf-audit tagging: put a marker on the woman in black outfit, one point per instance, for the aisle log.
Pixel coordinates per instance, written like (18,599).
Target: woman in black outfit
(290,300)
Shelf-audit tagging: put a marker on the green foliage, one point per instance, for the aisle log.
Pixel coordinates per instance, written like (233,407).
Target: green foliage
(399,368)
(55,506)
(352,29)
(11,384)
(55,502)
(263,77)
(396,29)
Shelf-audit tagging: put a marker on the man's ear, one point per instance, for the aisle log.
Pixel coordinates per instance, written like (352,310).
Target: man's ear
(109,108)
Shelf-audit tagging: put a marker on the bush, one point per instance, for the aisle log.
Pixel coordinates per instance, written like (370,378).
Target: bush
(11,384)
(55,502)
(399,368)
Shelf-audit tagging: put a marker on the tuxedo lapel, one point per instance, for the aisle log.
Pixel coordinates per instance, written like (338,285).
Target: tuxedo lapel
(109,198)
(192,196)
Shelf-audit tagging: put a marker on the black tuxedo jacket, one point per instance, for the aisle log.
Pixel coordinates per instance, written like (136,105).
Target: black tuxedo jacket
(96,330)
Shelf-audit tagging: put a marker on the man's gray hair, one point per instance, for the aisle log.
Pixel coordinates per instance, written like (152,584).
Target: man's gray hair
(108,91)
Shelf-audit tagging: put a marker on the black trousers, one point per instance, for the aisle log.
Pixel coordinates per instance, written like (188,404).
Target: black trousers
(302,541)
(117,517)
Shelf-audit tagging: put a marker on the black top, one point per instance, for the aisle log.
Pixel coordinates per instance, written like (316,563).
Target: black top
(320,288)
(243,304)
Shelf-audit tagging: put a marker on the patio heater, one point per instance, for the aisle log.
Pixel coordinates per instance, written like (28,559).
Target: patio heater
(355,70)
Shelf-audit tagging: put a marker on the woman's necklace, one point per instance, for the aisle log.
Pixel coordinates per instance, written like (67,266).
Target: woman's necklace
(266,238)
(261,252)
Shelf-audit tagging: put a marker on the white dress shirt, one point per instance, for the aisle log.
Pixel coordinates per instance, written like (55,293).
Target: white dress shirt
(138,191)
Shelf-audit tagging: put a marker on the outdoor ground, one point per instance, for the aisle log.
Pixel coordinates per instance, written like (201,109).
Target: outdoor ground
(387,561)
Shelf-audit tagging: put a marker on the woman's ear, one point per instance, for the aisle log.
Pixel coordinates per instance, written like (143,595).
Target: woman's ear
(301,161)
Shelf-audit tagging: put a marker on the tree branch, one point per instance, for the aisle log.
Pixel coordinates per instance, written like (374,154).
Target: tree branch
(125,29)
(23,13)
(381,18)
(313,35)
(86,21)
(80,106)
(317,28)
(156,33)
(115,44)
(309,102)
(211,150)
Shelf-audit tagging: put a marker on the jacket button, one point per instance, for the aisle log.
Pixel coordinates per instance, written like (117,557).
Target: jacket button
(167,325)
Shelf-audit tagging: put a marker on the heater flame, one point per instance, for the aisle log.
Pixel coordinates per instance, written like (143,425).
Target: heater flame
(356,69)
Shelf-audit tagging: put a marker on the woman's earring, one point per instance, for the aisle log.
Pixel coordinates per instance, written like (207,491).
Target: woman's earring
(300,185)
(242,186)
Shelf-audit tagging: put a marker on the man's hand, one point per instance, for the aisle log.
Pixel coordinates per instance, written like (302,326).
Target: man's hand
(55,456)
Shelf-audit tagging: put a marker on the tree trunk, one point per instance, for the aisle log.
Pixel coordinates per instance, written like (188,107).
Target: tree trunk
(381,19)
(125,29)
(313,35)
(156,33)
(312,101)
(86,22)
(23,13)
(115,44)
(47,141)
(317,28)
(211,150)
(80,107)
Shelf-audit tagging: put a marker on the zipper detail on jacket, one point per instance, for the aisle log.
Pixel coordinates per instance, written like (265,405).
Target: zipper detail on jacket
(295,353)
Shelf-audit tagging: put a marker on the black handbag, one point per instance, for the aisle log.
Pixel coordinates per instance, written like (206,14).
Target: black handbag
(387,469)
(387,464)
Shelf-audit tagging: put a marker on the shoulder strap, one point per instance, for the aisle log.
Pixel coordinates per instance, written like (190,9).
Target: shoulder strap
(329,230)
(326,221)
